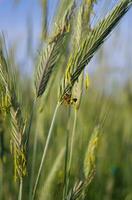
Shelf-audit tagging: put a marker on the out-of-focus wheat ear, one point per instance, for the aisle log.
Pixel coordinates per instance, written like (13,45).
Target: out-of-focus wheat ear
(9,103)
(4,71)
(49,56)
(7,81)
(2,58)
(18,145)
(78,87)
(90,156)
(78,28)
(94,40)
(72,60)
(88,11)
(76,192)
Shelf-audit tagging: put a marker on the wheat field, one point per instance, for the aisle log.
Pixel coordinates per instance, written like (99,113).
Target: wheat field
(65,126)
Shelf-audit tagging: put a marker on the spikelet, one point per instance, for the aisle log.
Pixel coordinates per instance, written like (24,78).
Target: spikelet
(76,192)
(83,28)
(87,13)
(18,148)
(77,92)
(78,29)
(5,103)
(89,7)
(87,82)
(90,157)
(78,87)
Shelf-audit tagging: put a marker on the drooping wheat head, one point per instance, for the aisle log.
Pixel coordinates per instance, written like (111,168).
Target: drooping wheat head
(49,56)
(95,38)
(90,157)
(9,105)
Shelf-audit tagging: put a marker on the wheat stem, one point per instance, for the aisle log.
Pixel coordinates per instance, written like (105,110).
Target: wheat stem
(33,164)
(72,140)
(45,151)
(66,156)
(20,189)
(71,152)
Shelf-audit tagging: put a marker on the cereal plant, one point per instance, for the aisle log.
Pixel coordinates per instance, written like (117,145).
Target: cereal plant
(56,128)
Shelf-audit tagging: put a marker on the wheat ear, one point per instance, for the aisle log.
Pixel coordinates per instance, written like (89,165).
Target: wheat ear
(7,81)
(48,57)
(92,43)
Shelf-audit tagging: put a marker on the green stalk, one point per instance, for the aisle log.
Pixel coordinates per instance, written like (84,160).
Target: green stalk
(45,151)
(20,189)
(66,158)
(70,155)
(72,140)
(33,164)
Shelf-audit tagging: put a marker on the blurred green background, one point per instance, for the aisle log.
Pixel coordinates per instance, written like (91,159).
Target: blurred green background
(110,72)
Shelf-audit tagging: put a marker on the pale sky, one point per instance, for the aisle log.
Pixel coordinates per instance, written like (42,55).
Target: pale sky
(13,22)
